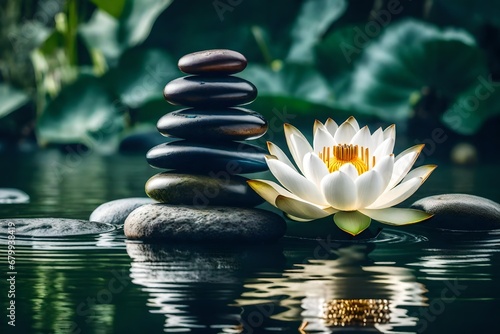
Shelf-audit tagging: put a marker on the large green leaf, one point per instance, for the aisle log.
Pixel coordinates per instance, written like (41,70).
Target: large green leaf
(141,75)
(112,36)
(314,19)
(292,80)
(411,55)
(113,8)
(473,107)
(11,99)
(83,112)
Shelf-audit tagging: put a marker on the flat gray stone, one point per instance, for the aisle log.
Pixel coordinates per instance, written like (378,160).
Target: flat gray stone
(115,212)
(460,212)
(210,224)
(13,196)
(51,227)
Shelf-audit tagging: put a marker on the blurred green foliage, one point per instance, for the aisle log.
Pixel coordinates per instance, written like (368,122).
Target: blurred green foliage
(72,71)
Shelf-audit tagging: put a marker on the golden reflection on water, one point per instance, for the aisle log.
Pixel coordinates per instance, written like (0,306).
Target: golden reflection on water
(349,291)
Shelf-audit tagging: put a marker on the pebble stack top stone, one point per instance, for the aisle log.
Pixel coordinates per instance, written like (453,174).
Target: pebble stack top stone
(213,62)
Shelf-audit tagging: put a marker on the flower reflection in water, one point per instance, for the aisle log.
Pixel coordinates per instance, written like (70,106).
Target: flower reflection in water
(349,291)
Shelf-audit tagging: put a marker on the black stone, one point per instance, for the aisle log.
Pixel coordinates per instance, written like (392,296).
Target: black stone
(202,190)
(213,62)
(210,224)
(230,158)
(216,124)
(209,92)
(460,212)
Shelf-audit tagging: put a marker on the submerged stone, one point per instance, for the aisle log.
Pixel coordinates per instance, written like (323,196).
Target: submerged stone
(13,196)
(210,224)
(213,62)
(209,92)
(215,124)
(52,227)
(231,158)
(460,212)
(202,190)
(115,212)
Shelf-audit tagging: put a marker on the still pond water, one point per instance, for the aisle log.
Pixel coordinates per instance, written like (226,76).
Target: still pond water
(412,280)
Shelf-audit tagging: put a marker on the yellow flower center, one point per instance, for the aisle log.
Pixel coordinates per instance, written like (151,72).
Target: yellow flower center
(338,155)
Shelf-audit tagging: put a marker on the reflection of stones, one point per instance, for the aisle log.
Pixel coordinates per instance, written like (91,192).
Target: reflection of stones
(213,124)
(230,157)
(115,212)
(460,212)
(13,196)
(193,285)
(218,223)
(52,227)
(190,189)
(209,92)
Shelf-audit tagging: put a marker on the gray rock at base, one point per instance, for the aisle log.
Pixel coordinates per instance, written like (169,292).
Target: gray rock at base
(13,196)
(52,227)
(460,212)
(115,212)
(210,224)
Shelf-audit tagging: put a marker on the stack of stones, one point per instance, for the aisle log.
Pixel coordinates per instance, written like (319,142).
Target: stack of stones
(202,182)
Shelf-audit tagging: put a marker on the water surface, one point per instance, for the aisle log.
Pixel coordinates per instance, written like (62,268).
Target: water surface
(412,280)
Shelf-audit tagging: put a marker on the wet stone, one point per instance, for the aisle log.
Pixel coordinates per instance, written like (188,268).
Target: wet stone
(209,224)
(213,62)
(115,212)
(202,190)
(231,158)
(209,92)
(215,124)
(52,227)
(13,196)
(460,212)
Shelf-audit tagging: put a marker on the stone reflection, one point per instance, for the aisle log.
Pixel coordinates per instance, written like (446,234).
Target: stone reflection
(345,290)
(192,286)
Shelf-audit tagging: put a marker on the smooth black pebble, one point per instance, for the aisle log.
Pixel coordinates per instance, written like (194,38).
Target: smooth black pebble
(231,158)
(216,124)
(209,92)
(213,62)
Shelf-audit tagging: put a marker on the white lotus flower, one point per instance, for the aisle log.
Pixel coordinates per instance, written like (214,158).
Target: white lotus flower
(348,172)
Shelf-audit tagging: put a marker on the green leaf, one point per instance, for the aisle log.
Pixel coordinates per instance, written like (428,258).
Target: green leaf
(334,53)
(138,18)
(113,36)
(83,112)
(113,8)
(11,99)
(408,56)
(352,222)
(292,80)
(141,75)
(472,108)
(315,17)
